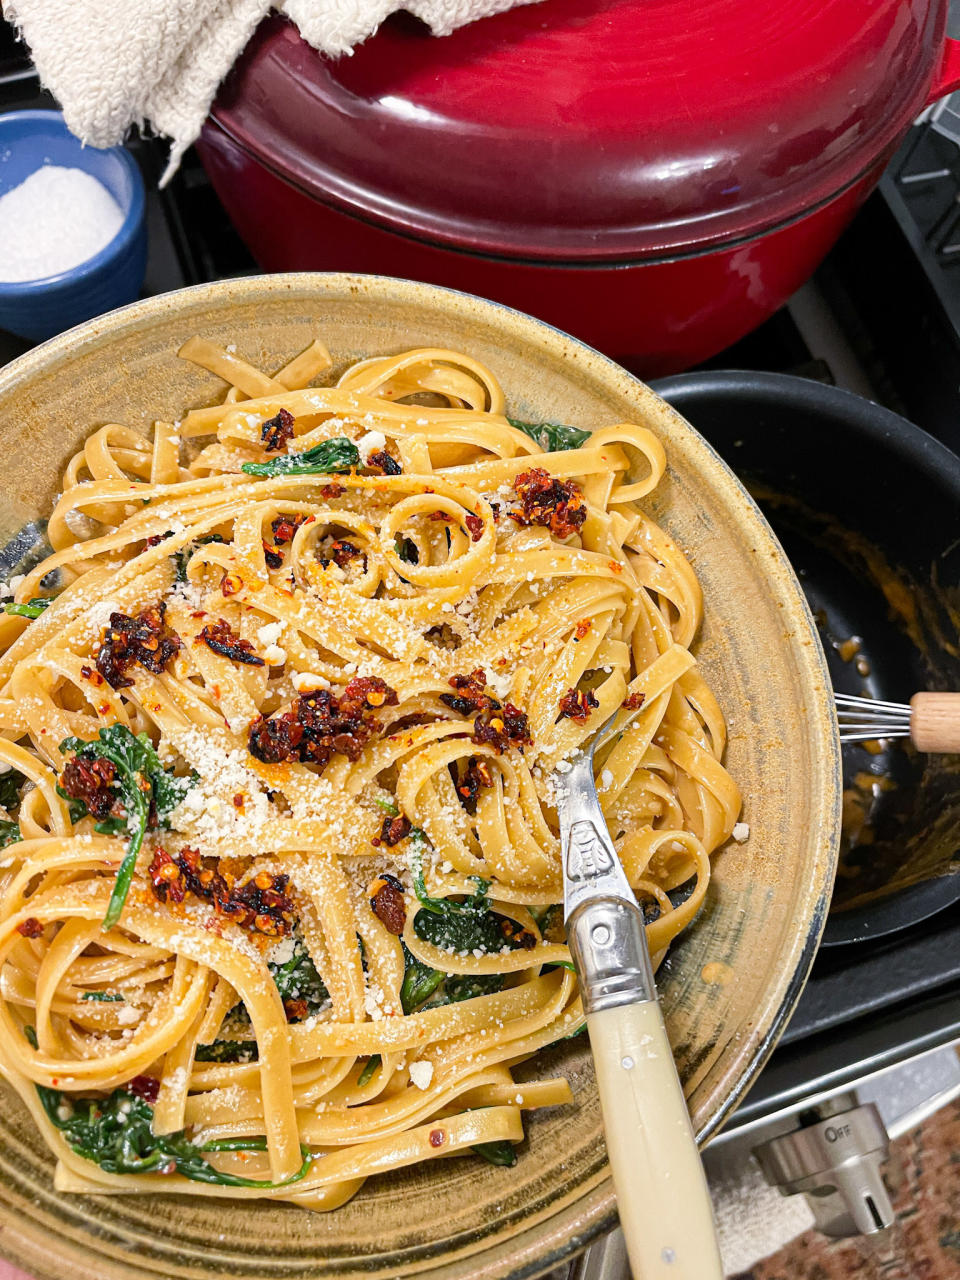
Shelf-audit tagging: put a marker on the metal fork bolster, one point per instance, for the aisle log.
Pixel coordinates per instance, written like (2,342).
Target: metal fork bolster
(609,948)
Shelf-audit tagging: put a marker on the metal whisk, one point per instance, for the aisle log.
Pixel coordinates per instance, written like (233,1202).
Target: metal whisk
(930,720)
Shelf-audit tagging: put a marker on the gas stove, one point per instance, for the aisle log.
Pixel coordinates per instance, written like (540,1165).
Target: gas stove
(867,1005)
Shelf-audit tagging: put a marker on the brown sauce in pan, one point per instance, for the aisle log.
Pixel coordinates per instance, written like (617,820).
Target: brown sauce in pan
(901,810)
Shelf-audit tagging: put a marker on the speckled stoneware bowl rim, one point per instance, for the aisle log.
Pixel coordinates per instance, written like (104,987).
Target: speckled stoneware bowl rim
(553,1238)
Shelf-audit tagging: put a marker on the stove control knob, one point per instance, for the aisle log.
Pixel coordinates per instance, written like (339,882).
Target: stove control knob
(836,1161)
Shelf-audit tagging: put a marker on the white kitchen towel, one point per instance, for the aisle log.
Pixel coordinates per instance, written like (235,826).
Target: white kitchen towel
(114,63)
(753,1219)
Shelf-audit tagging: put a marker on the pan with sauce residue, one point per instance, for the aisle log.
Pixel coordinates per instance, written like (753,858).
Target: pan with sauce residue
(866,506)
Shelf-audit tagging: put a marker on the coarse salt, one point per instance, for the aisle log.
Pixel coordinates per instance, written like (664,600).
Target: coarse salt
(53,221)
(741,832)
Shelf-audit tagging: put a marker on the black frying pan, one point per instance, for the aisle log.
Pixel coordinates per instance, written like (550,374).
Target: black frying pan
(867,507)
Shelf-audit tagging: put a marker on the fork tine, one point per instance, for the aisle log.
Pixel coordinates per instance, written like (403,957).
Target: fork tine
(602,733)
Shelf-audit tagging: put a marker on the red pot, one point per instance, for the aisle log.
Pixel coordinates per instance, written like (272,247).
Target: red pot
(656,178)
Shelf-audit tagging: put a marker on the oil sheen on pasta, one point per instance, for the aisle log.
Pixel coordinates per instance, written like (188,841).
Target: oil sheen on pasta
(280,864)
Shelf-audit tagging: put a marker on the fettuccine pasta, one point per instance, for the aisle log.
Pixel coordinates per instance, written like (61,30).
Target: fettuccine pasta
(281,713)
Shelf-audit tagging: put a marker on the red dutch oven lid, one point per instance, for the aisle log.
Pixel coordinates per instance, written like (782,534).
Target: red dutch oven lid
(592,129)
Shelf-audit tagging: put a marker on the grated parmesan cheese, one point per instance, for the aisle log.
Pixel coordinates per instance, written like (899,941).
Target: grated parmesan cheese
(207,811)
(308,681)
(270,632)
(372,442)
(421,1074)
(501,682)
(283,951)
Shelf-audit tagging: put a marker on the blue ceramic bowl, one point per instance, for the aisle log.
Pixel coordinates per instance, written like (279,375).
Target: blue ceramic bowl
(37,309)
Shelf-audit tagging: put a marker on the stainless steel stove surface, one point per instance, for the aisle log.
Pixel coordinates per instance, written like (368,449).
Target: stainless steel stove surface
(882,318)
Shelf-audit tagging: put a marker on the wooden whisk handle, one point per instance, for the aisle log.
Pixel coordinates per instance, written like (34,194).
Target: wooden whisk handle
(935,721)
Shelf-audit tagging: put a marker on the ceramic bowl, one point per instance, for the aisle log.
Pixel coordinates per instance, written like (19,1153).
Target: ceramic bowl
(36,309)
(729,984)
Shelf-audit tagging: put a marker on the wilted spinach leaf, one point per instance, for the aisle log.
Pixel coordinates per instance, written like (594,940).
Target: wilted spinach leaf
(141,785)
(554,437)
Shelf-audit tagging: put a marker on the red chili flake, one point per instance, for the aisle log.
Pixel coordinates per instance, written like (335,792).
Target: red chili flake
(275,432)
(341,553)
(284,527)
(388,903)
(441,515)
(273,557)
(555,504)
(437,1137)
(517,725)
(145,1087)
(261,904)
(330,491)
(476,775)
(30,928)
(166,877)
(499,727)
(94,677)
(583,626)
(634,701)
(516,935)
(230,584)
(238,800)
(157,538)
(470,695)
(145,639)
(577,705)
(295,1010)
(368,691)
(382,461)
(278,739)
(393,830)
(475,525)
(92,782)
(222,639)
(322,723)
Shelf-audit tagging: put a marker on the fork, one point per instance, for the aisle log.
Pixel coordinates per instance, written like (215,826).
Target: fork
(664,1204)
(930,720)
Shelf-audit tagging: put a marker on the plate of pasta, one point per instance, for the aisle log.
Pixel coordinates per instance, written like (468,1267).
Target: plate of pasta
(313,586)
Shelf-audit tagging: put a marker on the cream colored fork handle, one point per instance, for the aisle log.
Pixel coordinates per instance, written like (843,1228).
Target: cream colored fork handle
(935,721)
(662,1197)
